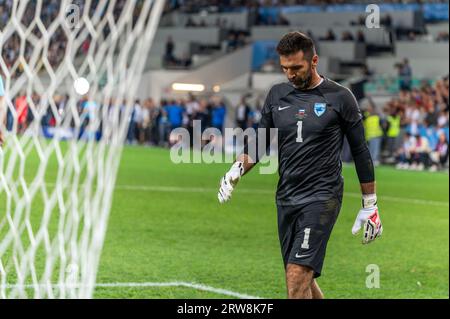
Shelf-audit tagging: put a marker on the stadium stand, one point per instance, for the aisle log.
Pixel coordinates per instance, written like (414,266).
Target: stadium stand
(228,46)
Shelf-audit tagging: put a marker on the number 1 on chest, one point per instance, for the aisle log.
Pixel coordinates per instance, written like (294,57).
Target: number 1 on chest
(299,132)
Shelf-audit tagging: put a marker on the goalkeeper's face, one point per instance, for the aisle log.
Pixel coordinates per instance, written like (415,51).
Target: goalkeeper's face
(298,69)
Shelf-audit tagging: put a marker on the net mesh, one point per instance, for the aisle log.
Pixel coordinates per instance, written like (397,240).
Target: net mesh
(61,150)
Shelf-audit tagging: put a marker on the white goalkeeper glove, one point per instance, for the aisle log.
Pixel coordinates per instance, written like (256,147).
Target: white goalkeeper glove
(229,181)
(368,217)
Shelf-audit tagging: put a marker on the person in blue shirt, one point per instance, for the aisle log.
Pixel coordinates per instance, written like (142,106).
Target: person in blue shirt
(218,116)
(174,112)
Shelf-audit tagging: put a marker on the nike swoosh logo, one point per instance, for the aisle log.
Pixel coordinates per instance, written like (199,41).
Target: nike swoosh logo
(301,256)
(283,108)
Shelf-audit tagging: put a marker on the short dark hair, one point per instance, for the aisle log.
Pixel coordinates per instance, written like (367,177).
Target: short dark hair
(294,42)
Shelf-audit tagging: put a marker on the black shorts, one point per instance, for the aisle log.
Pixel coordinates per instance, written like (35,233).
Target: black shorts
(304,231)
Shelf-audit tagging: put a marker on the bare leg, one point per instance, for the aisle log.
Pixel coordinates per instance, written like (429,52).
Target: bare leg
(299,280)
(315,291)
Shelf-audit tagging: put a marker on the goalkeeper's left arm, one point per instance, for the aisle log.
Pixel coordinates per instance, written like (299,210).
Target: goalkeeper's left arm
(368,217)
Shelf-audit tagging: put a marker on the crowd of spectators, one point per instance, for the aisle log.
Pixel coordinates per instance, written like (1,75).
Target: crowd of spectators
(170,59)
(150,123)
(412,129)
(345,36)
(233,38)
(190,6)
(11,47)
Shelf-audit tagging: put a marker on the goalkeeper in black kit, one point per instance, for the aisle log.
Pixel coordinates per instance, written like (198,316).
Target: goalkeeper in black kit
(312,115)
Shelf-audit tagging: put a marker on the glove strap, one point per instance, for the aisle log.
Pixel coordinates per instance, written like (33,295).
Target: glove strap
(369,200)
(240,166)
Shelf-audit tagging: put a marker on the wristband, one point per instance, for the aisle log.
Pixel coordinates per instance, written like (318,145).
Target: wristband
(369,200)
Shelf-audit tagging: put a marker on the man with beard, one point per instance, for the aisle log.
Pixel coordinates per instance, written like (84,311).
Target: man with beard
(312,115)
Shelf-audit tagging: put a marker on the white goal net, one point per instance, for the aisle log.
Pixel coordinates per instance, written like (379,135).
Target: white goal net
(70,71)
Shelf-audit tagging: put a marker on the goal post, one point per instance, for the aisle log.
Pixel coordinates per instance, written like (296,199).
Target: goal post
(71,70)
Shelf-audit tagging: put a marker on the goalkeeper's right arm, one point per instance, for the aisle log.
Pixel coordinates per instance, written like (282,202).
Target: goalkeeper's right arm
(244,162)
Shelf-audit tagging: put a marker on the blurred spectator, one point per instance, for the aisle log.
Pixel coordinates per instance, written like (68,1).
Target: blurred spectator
(346,36)
(392,131)
(163,124)
(21,105)
(145,134)
(89,109)
(241,39)
(411,36)
(135,128)
(442,120)
(255,115)
(192,106)
(186,60)
(374,133)
(442,36)
(420,151)
(242,113)
(231,42)
(404,74)
(190,22)
(175,112)
(330,36)
(85,46)
(361,21)
(386,21)
(403,154)
(414,117)
(360,37)
(218,115)
(169,57)
(439,156)
(202,114)
(154,114)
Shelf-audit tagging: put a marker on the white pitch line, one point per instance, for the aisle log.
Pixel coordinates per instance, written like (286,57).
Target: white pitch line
(263,191)
(179,284)
(150,284)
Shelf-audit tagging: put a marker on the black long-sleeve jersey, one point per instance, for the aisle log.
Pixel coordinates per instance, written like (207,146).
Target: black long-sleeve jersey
(311,128)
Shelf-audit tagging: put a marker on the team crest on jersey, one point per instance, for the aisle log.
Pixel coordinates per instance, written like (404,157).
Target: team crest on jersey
(301,114)
(320,108)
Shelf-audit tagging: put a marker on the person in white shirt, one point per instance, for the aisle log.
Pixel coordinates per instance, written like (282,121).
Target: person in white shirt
(420,153)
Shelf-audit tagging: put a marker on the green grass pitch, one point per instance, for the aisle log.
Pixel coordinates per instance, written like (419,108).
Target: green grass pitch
(166,225)
(181,233)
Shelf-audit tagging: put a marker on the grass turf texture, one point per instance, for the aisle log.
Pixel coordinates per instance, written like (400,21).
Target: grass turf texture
(159,236)
(170,227)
